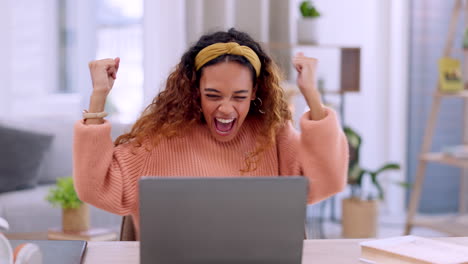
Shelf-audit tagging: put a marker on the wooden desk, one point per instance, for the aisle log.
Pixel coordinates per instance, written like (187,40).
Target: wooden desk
(27,236)
(329,251)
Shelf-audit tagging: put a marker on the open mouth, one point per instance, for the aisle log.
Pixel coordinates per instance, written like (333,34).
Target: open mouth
(224,126)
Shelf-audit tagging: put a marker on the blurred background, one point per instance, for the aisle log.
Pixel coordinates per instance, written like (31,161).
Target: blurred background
(46,45)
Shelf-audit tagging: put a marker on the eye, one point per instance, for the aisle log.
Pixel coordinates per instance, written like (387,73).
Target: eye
(212,96)
(240,98)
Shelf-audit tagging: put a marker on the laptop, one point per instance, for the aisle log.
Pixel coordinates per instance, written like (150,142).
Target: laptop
(222,220)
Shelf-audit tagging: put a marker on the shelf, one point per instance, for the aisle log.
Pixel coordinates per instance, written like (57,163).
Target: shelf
(445,159)
(461,94)
(284,45)
(334,92)
(452,225)
(349,61)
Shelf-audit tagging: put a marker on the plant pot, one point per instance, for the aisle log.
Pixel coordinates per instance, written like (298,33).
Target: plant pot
(75,220)
(359,218)
(307,31)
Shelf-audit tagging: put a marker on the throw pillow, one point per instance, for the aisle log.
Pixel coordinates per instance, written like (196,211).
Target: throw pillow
(21,154)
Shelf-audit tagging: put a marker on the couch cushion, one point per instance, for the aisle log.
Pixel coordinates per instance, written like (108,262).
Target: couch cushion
(29,211)
(58,161)
(21,154)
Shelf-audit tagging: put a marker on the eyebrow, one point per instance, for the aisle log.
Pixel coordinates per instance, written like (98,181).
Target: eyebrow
(216,91)
(241,91)
(211,90)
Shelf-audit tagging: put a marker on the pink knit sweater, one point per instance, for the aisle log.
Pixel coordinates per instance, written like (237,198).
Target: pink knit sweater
(107,176)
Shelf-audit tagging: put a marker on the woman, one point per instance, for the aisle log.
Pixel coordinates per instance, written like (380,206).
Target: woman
(222,113)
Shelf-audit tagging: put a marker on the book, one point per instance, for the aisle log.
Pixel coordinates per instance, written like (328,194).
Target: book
(460,151)
(450,77)
(93,234)
(412,250)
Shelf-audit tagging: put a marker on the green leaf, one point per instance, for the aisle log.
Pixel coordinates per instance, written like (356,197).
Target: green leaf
(361,176)
(377,185)
(308,10)
(355,175)
(388,166)
(404,184)
(374,174)
(63,194)
(315,12)
(353,137)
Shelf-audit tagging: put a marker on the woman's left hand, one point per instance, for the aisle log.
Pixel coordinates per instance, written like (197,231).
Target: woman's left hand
(306,80)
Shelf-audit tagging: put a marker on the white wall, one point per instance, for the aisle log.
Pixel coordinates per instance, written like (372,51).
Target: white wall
(5,58)
(252,16)
(397,110)
(83,25)
(164,42)
(194,13)
(218,15)
(35,36)
(280,19)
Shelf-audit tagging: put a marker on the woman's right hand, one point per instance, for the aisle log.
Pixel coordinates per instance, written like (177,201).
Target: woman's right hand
(103,74)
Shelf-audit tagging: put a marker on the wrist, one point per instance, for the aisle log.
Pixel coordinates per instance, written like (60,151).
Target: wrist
(314,101)
(97,102)
(99,94)
(313,97)
(93,117)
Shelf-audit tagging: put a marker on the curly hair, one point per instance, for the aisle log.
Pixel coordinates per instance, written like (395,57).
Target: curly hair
(177,107)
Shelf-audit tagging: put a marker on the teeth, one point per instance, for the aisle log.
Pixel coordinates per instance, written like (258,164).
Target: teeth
(225,121)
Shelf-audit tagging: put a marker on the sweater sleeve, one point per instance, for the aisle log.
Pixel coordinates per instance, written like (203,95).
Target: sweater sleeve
(106,176)
(319,152)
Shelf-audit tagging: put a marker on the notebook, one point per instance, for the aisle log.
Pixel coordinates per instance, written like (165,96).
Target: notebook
(58,252)
(412,249)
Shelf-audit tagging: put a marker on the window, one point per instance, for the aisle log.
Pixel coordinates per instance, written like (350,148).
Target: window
(119,33)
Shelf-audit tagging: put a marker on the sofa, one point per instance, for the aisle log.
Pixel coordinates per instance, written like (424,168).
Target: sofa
(37,150)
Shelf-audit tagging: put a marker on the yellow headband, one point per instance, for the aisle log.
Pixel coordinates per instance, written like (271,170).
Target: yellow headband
(215,50)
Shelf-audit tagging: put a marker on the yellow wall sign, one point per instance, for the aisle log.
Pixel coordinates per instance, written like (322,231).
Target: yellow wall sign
(450,76)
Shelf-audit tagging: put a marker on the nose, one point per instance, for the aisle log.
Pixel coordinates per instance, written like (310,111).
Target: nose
(226,108)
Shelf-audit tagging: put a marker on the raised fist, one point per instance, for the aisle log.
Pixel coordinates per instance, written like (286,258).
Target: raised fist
(103,74)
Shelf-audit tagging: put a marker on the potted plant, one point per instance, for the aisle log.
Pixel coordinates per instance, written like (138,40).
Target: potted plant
(75,213)
(360,211)
(307,23)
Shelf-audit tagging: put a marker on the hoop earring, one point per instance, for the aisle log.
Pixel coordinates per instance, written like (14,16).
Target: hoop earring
(260,103)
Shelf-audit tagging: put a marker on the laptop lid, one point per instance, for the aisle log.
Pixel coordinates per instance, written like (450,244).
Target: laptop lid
(222,220)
